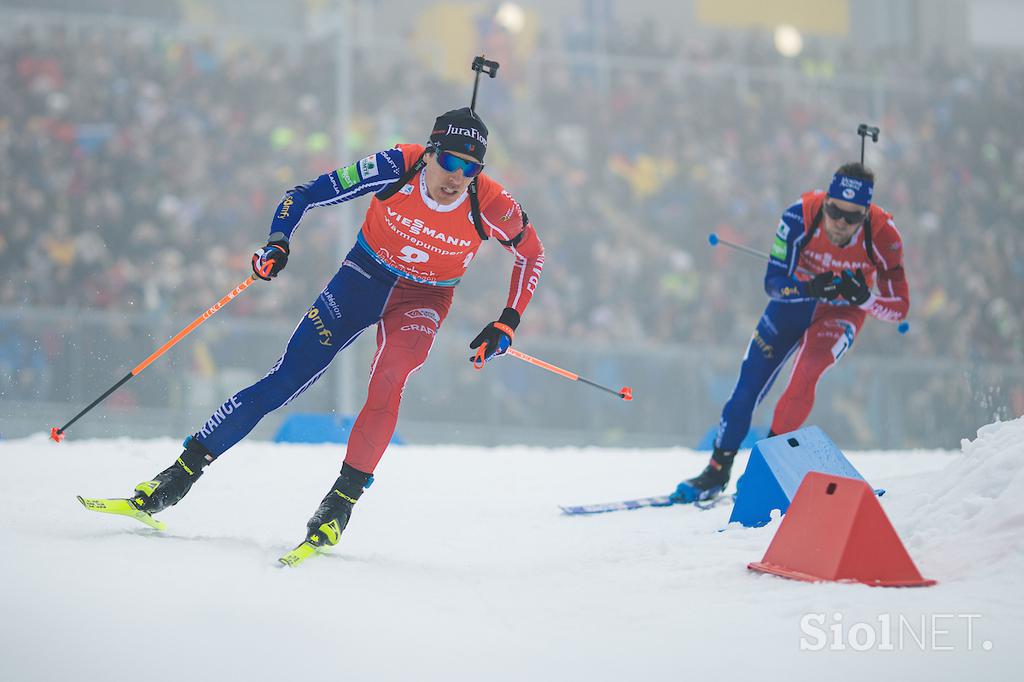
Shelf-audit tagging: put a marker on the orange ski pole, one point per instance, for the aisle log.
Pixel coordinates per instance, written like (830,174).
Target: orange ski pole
(58,434)
(626,393)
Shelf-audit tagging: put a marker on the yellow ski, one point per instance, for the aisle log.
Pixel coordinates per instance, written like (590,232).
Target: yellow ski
(121,507)
(298,555)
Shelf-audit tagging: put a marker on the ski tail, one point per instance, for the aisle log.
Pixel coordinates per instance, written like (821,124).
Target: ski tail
(298,555)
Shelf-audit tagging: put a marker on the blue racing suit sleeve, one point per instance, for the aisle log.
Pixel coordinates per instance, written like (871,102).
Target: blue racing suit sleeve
(779,281)
(371,174)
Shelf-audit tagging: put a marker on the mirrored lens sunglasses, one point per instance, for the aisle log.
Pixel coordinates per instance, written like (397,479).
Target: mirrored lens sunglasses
(452,163)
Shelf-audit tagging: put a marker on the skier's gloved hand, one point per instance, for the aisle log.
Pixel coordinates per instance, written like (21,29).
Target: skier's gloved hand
(495,338)
(854,287)
(824,285)
(271,259)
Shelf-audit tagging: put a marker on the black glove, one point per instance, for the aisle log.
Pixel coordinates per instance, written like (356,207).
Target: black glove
(495,338)
(854,287)
(824,285)
(272,258)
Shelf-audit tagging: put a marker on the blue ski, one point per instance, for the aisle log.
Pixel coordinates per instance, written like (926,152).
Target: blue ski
(600,508)
(626,505)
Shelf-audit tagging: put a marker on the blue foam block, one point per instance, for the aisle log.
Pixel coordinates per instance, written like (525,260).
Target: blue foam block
(319,428)
(776,468)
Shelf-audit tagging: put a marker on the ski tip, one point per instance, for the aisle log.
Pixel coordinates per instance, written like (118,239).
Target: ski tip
(155,524)
(56,435)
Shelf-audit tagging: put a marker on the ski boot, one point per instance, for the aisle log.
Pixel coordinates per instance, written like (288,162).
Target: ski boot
(710,483)
(330,519)
(170,485)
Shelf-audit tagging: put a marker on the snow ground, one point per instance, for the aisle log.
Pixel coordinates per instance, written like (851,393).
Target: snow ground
(458,566)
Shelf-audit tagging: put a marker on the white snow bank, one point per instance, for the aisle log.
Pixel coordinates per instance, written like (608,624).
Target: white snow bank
(967,520)
(458,566)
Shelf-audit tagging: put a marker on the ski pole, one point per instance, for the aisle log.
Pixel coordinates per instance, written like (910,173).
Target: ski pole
(58,434)
(626,393)
(715,240)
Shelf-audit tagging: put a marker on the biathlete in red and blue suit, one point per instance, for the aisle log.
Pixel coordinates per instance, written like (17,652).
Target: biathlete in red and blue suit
(432,209)
(836,259)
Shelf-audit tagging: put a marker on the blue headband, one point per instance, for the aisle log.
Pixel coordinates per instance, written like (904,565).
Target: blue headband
(854,190)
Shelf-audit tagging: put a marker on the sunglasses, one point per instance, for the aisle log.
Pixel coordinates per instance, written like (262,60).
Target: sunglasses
(452,163)
(851,217)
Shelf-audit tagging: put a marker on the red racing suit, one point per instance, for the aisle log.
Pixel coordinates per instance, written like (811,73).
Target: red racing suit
(819,332)
(400,276)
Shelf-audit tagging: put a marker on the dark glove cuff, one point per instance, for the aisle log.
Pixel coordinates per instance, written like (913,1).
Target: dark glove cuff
(809,289)
(279,240)
(509,316)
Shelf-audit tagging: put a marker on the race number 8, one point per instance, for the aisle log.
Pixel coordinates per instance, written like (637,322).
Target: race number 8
(413,255)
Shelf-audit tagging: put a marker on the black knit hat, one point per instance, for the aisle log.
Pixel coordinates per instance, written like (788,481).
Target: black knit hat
(460,130)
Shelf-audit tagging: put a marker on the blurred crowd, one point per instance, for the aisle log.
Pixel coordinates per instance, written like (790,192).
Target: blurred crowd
(683,145)
(138,171)
(134,171)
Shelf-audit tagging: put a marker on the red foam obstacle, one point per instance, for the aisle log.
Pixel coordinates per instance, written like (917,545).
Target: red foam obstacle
(836,530)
